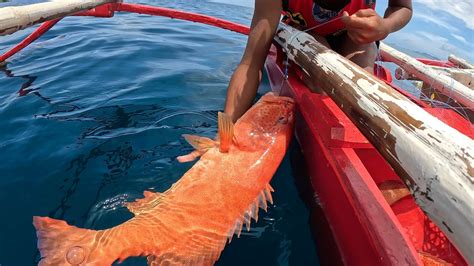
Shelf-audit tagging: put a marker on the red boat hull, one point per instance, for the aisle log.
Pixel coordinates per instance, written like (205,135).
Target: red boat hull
(358,227)
(350,216)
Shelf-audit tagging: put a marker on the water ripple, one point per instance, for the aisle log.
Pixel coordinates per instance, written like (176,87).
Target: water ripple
(92,115)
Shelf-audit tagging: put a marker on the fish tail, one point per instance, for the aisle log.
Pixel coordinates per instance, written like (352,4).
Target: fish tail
(63,244)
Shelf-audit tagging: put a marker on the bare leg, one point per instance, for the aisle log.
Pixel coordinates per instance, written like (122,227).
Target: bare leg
(363,55)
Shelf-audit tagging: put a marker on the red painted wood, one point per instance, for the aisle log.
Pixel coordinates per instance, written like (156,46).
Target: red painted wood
(453,119)
(341,182)
(172,13)
(103,11)
(108,10)
(438,63)
(383,73)
(28,40)
(345,173)
(344,169)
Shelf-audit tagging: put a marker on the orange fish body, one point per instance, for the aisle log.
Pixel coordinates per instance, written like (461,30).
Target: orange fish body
(190,223)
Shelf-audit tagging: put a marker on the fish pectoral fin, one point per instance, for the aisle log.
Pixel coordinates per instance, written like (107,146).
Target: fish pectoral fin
(150,200)
(226,131)
(200,143)
(190,156)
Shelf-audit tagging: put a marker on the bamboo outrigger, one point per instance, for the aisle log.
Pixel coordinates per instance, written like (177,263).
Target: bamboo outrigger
(13,19)
(464,76)
(456,69)
(460,62)
(435,161)
(443,83)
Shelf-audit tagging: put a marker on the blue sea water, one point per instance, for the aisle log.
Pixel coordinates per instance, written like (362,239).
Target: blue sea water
(92,115)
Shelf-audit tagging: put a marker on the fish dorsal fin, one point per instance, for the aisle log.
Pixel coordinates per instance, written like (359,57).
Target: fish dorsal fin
(201,247)
(251,212)
(200,143)
(150,200)
(226,131)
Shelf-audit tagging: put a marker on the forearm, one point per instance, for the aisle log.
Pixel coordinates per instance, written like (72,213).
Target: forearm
(245,80)
(242,90)
(397,16)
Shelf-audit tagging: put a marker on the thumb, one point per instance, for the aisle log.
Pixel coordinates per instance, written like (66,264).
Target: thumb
(345,17)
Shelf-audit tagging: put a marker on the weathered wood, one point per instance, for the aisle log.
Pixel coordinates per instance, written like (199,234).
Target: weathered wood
(436,99)
(434,160)
(16,18)
(464,76)
(460,62)
(442,83)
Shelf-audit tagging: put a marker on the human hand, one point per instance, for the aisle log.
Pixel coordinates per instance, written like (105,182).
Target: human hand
(365,26)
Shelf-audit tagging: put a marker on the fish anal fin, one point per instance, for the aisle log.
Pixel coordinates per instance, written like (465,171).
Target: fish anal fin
(226,131)
(149,201)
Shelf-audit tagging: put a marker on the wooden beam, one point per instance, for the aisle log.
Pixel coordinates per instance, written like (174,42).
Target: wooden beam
(460,62)
(442,83)
(463,76)
(16,18)
(435,161)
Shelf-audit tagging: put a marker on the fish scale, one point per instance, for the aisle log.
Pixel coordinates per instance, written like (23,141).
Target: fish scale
(191,222)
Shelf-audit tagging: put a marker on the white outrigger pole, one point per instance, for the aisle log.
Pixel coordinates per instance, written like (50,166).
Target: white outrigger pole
(460,62)
(438,80)
(435,161)
(16,18)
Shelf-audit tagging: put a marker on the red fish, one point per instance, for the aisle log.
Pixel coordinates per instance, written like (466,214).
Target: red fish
(190,223)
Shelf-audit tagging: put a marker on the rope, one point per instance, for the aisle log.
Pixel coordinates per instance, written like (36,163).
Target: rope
(286,62)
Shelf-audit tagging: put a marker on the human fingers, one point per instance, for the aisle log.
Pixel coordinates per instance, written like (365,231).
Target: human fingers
(365,13)
(345,17)
(355,37)
(360,19)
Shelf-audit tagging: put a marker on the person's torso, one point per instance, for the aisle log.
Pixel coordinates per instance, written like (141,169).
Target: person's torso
(322,16)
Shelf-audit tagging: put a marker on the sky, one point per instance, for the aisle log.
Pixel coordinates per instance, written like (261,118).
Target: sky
(438,28)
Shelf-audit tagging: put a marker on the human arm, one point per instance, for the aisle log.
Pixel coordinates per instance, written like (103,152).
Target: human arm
(365,26)
(246,78)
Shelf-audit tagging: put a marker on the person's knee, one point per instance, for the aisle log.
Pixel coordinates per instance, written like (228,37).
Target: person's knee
(363,55)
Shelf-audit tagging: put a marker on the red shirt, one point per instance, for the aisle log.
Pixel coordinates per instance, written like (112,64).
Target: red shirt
(314,15)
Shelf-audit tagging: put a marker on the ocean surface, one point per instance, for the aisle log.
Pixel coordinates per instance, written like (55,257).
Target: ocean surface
(92,115)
